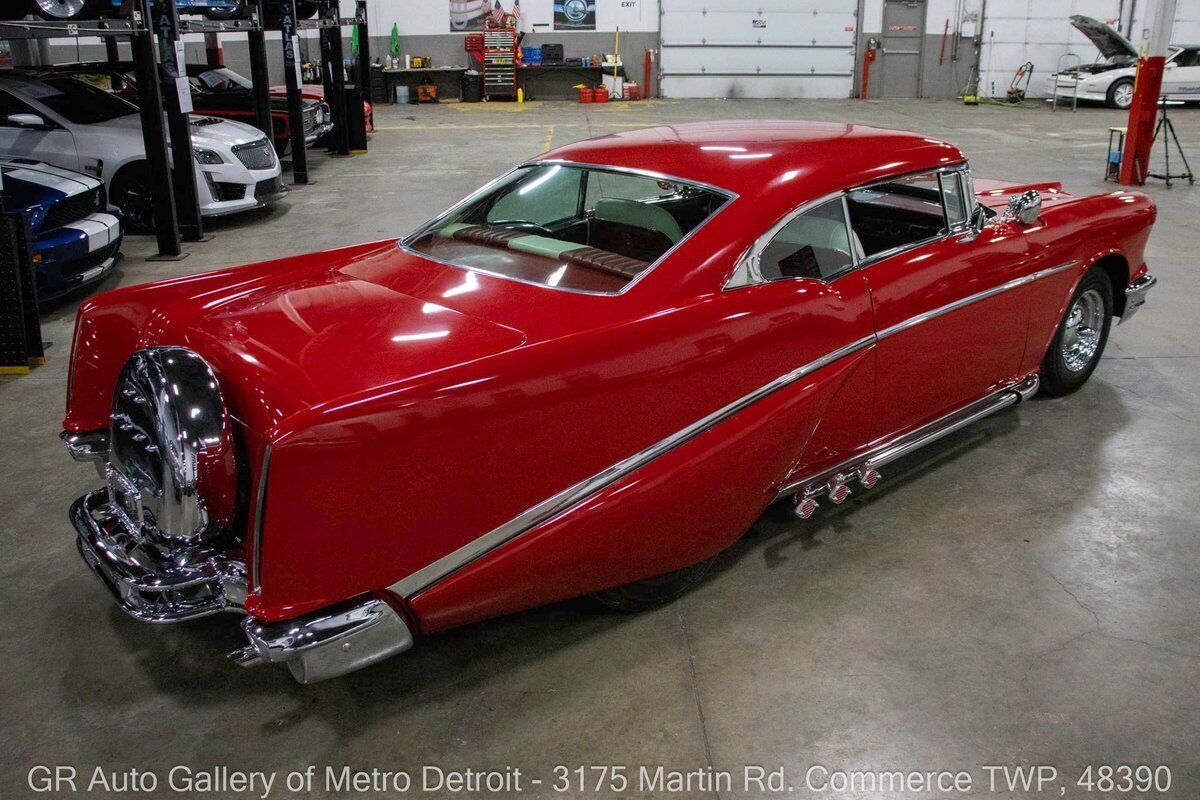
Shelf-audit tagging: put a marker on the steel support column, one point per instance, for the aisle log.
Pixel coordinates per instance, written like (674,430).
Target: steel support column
(177,99)
(166,224)
(333,75)
(1147,88)
(260,76)
(291,76)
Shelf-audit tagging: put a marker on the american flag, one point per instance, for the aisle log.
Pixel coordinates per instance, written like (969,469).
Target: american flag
(516,12)
(498,14)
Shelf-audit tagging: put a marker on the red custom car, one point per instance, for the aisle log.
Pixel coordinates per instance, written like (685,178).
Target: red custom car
(526,399)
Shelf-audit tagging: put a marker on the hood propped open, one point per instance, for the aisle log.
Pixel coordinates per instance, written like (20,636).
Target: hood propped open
(1110,43)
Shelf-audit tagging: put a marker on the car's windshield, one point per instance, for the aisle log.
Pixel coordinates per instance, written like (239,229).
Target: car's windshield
(71,98)
(571,227)
(220,80)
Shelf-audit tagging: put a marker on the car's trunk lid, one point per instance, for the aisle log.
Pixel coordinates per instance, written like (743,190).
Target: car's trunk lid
(329,336)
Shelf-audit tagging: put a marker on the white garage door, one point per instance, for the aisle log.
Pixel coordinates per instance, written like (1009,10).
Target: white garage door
(757,48)
(1040,31)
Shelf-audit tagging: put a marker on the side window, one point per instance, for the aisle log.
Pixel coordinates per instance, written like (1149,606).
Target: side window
(954,198)
(815,244)
(906,210)
(1187,58)
(10,105)
(543,197)
(619,186)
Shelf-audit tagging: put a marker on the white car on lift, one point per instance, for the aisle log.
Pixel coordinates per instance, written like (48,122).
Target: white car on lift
(1110,78)
(68,123)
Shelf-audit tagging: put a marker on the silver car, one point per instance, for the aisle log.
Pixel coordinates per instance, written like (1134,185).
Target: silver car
(66,122)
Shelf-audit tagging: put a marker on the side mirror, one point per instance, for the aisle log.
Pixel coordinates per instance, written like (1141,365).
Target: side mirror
(979,218)
(1025,208)
(26,121)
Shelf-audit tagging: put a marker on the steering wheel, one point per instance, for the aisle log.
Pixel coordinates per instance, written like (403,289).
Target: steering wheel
(523,225)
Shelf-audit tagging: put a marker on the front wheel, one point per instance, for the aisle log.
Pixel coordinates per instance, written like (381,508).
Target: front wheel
(1080,339)
(64,10)
(653,592)
(1120,94)
(131,192)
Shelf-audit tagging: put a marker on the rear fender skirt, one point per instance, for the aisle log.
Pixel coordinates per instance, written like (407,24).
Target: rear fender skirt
(683,506)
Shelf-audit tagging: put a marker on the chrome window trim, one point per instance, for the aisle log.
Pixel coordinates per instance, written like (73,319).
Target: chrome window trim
(405,242)
(583,490)
(746,270)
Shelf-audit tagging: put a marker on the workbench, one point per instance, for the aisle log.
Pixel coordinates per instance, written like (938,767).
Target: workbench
(540,82)
(556,81)
(448,80)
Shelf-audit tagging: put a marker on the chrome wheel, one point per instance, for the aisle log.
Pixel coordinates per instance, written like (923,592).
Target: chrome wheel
(1123,96)
(1082,330)
(60,9)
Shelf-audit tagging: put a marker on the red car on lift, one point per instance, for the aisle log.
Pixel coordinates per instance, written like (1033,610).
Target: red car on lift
(589,377)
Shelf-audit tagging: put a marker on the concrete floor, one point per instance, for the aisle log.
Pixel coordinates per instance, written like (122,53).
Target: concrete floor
(1024,593)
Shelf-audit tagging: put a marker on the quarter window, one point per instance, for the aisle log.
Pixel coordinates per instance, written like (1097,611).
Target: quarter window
(952,195)
(815,244)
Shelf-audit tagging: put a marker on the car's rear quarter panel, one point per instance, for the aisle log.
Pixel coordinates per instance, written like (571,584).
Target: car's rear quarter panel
(376,490)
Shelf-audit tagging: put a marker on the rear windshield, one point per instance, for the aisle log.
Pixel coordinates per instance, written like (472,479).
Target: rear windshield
(570,227)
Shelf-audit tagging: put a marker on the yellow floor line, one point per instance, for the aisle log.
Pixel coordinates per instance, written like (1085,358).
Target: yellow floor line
(549,136)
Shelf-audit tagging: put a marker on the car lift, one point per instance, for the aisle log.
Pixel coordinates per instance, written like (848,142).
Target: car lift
(171,208)
(345,119)
(175,194)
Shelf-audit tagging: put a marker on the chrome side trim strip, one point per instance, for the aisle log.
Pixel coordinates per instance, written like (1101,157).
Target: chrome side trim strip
(911,322)
(574,495)
(898,447)
(260,508)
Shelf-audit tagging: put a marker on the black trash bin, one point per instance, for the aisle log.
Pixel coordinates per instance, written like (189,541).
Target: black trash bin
(472,86)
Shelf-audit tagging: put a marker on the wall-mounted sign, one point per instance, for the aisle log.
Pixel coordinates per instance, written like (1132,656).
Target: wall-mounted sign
(574,15)
(758,23)
(468,15)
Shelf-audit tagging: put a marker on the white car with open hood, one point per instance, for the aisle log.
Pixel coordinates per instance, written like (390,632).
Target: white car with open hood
(1109,79)
(60,120)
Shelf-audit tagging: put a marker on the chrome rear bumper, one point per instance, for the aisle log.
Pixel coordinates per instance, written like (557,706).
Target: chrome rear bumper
(328,643)
(146,585)
(321,645)
(1135,295)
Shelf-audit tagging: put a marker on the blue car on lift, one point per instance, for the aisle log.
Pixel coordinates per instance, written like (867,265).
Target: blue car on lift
(76,236)
(70,10)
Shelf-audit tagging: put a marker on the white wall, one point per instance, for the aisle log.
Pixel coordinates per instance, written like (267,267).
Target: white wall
(424,17)
(1016,31)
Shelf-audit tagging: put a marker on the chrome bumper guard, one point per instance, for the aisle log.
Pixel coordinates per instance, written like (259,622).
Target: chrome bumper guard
(145,585)
(1135,295)
(313,136)
(328,643)
(91,446)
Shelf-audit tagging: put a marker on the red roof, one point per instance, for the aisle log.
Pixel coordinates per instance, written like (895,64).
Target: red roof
(762,157)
